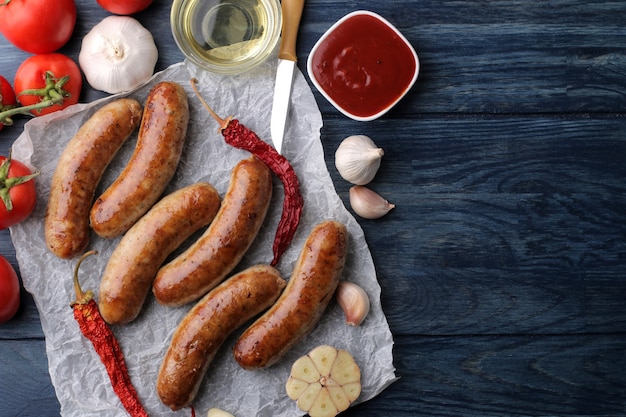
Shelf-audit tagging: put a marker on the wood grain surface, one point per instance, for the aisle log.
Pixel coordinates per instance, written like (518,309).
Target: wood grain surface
(502,266)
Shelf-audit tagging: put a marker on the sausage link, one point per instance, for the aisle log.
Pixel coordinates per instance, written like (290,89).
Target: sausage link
(299,308)
(135,261)
(216,253)
(152,165)
(206,326)
(79,171)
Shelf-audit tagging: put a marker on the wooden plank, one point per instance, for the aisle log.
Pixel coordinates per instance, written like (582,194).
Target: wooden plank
(497,376)
(25,384)
(477,301)
(502,266)
(502,225)
(25,324)
(500,57)
(504,214)
(482,376)
(503,56)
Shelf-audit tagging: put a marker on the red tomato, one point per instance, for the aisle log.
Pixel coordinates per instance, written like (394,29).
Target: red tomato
(22,195)
(38,26)
(9,291)
(124,7)
(7,96)
(32,75)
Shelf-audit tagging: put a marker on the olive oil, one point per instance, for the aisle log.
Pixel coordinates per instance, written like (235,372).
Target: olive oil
(226,32)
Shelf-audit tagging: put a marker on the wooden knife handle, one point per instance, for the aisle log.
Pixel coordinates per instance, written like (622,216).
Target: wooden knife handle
(291,11)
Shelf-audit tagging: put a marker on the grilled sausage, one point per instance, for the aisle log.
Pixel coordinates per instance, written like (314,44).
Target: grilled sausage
(79,171)
(152,165)
(299,308)
(135,261)
(216,253)
(206,326)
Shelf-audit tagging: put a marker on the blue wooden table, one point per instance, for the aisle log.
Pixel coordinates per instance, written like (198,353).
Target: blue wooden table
(503,265)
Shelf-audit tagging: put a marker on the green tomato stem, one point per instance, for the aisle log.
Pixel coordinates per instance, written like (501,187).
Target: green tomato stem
(53,93)
(4,107)
(7,183)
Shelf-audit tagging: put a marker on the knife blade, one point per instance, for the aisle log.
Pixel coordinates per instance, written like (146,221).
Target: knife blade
(291,12)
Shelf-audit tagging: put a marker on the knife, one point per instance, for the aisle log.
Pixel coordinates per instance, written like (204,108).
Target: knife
(291,12)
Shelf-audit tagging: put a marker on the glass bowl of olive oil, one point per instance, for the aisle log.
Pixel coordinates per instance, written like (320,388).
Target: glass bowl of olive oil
(226,36)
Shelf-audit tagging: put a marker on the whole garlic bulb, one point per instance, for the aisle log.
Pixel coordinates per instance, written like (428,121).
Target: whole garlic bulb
(118,54)
(357,159)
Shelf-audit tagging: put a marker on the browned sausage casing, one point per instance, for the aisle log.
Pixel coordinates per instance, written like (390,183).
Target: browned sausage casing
(78,173)
(204,329)
(299,308)
(215,254)
(136,259)
(152,165)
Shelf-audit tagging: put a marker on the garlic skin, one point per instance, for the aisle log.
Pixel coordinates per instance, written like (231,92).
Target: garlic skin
(357,159)
(354,302)
(367,203)
(118,55)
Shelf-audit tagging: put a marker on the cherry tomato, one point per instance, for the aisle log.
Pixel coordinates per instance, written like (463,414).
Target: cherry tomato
(32,73)
(124,7)
(7,96)
(38,26)
(9,291)
(22,195)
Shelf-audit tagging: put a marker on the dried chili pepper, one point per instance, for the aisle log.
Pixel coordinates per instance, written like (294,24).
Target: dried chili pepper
(239,136)
(94,328)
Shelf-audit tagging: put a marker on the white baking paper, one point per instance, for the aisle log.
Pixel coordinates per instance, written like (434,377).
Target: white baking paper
(81,383)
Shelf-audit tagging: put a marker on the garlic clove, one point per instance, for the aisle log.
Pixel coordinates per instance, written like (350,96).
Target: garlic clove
(354,302)
(305,367)
(323,359)
(216,412)
(324,405)
(358,159)
(367,203)
(308,397)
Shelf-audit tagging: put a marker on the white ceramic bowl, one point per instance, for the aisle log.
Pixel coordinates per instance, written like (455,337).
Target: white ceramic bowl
(226,36)
(363,65)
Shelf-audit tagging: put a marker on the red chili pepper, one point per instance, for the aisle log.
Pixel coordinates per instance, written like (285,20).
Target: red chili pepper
(94,328)
(239,136)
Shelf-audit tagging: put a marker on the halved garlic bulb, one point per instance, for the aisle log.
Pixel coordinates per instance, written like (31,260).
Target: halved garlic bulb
(367,203)
(324,382)
(357,159)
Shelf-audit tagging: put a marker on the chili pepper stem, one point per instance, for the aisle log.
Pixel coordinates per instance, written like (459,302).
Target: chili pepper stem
(222,122)
(82,297)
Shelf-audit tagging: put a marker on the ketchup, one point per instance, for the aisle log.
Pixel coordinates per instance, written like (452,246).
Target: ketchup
(363,65)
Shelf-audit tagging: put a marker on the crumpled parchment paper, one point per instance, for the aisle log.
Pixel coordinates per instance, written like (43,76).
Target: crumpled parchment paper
(81,383)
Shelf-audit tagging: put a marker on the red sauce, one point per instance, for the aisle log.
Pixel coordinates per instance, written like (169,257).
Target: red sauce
(363,65)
